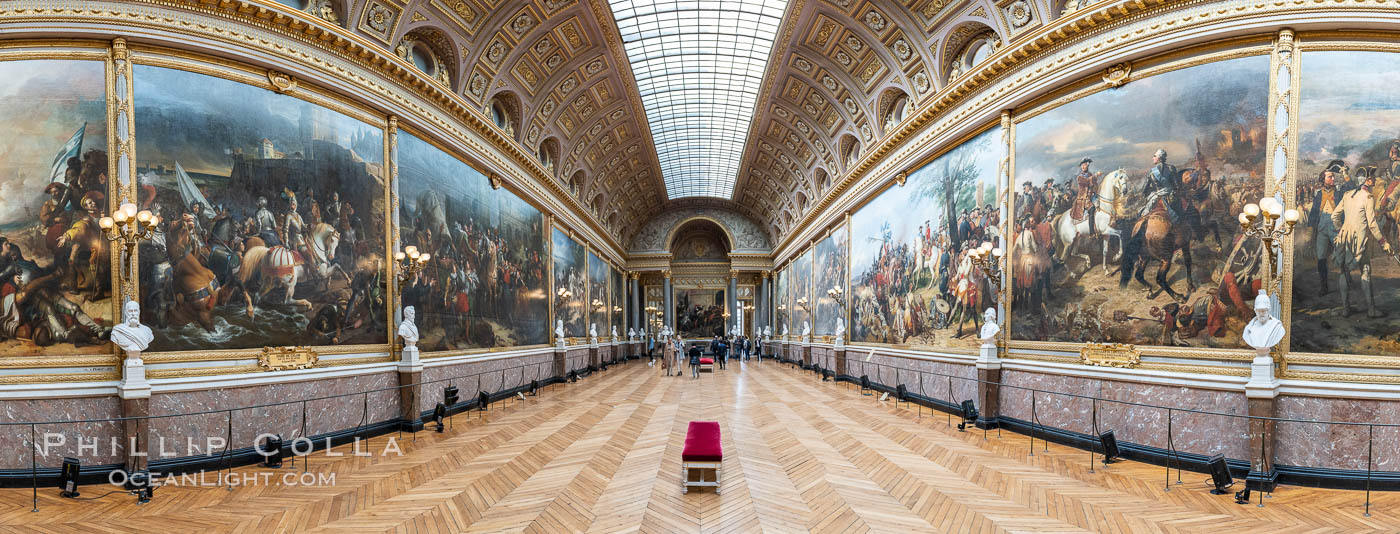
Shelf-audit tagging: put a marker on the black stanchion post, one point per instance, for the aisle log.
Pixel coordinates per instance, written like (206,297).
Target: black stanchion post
(951,400)
(227,457)
(1370,446)
(1094,417)
(34,465)
(1171,454)
(1032,421)
(308,439)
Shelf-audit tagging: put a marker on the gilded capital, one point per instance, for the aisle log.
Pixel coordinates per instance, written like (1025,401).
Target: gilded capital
(733,273)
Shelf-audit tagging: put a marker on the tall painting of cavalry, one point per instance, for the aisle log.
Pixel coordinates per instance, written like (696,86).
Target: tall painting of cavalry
(1126,200)
(830,264)
(274,211)
(485,284)
(598,299)
(55,266)
(570,284)
(616,291)
(1346,261)
(781,293)
(912,281)
(802,302)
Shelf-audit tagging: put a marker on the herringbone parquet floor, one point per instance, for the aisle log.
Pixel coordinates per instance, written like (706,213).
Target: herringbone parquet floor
(603,455)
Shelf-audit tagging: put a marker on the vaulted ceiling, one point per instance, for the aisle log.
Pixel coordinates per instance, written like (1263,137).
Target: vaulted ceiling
(557,77)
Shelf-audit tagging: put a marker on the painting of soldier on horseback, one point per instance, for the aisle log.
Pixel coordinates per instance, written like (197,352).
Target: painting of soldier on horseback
(1346,259)
(912,277)
(55,265)
(484,285)
(1124,227)
(274,217)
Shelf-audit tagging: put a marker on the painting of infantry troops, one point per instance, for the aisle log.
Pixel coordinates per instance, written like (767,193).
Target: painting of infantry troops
(485,283)
(802,303)
(598,298)
(700,312)
(783,296)
(274,217)
(912,281)
(55,266)
(615,289)
(830,273)
(570,283)
(1346,270)
(1124,226)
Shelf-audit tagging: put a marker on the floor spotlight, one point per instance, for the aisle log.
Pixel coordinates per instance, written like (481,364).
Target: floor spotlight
(901,393)
(449,395)
(482,400)
(68,481)
(271,449)
(573,375)
(139,484)
(1219,475)
(864,384)
(534,387)
(1110,447)
(1242,496)
(440,415)
(969,414)
(826,375)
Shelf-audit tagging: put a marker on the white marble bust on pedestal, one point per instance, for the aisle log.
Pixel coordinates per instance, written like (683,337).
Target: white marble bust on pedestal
(806,331)
(133,337)
(593,333)
(408,330)
(1262,333)
(559,332)
(614,333)
(990,328)
(840,331)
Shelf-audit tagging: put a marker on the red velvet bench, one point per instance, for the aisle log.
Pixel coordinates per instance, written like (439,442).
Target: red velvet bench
(702,454)
(707,365)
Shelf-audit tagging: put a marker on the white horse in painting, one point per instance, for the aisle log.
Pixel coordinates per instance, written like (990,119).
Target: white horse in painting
(1109,208)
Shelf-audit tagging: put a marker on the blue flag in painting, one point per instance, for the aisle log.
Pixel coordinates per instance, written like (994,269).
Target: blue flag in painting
(71,149)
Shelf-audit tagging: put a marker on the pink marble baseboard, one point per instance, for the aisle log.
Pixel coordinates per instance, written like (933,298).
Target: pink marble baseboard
(1190,432)
(489,375)
(924,377)
(1337,446)
(186,435)
(63,439)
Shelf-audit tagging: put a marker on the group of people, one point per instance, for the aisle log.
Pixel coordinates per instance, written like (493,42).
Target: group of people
(721,348)
(1353,220)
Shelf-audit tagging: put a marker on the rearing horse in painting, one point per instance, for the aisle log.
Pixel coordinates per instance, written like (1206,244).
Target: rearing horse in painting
(1160,241)
(1109,208)
(280,267)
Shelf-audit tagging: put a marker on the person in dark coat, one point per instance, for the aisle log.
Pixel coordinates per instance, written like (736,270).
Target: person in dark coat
(695,361)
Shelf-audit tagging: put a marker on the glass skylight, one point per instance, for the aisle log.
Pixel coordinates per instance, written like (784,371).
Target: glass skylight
(699,65)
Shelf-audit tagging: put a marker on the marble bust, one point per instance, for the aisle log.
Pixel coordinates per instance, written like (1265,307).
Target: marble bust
(130,335)
(840,326)
(990,328)
(806,328)
(1265,330)
(559,329)
(407,329)
(767,330)
(785,329)
(631,332)
(592,329)
(614,331)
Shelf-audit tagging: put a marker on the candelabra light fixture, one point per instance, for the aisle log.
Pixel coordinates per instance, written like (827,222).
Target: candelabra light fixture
(838,295)
(802,303)
(564,293)
(1270,222)
(411,262)
(987,258)
(127,228)
(599,305)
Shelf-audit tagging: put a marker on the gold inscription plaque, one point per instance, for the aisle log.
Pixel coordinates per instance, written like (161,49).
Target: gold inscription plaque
(1110,355)
(284,358)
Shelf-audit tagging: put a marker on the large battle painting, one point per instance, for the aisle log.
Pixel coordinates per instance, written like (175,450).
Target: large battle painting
(801,292)
(700,312)
(1346,264)
(485,283)
(830,273)
(570,284)
(1126,200)
(912,281)
(598,294)
(56,285)
(274,217)
(783,305)
(616,291)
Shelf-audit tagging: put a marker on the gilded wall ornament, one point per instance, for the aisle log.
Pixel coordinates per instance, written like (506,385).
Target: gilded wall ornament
(281,82)
(874,20)
(1117,75)
(902,50)
(380,17)
(1019,13)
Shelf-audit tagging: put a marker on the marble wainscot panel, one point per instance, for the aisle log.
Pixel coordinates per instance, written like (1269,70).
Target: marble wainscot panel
(823,356)
(1336,446)
(576,359)
(930,378)
(1123,411)
(490,374)
(186,435)
(61,439)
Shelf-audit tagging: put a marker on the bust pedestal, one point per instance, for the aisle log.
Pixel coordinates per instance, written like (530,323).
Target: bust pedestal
(411,390)
(409,360)
(1261,394)
(133,384)
(1263,384)
(560,343)
(988,387)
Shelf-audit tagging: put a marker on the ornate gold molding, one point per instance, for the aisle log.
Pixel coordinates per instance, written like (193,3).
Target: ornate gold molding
(284,358)
(1118,74)
(1119,355)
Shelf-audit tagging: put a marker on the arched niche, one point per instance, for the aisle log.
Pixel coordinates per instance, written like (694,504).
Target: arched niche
(850,151)
(328,10)
(548,154)
(504,110)
(430,51)
(894,106)
(700,240)
(967,45)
